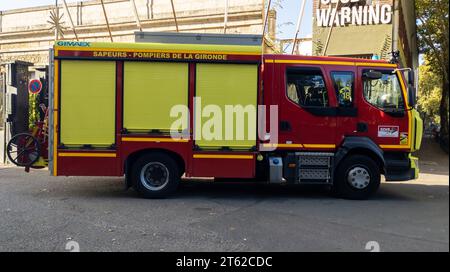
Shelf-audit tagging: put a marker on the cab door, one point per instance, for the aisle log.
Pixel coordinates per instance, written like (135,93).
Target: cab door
(345,90)
(383,108)
(307,118)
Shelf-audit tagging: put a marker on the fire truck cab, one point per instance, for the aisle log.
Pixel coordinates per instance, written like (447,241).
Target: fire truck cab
(140,110)
(349,119)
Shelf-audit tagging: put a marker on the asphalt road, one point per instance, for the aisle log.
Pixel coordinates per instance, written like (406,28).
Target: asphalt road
(42,213)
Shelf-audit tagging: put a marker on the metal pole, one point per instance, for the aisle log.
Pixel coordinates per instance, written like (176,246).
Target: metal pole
(174,15)
(225,19)
(266,18)
(325,48)
(136,15)
(264,30)
(3,112)
(299,22)
(106,19)
(395,27)
(51,105)
(56,21)
(70,19)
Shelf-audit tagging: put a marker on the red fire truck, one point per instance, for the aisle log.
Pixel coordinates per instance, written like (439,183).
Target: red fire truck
(339,122)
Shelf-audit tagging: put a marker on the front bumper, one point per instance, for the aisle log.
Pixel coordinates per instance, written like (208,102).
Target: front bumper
(402,169)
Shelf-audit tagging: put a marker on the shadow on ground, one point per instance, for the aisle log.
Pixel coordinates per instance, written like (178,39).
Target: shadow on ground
(432,159)
(198,190)
(434,163)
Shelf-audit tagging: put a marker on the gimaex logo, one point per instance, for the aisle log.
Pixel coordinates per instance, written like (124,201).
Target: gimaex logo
(80,44)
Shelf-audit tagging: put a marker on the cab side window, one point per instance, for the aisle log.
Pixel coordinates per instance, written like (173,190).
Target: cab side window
(306,87)
(344,86)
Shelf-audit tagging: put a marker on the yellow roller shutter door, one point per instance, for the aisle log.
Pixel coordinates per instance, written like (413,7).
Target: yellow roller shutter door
(88,102)
(233,85)
(151,89)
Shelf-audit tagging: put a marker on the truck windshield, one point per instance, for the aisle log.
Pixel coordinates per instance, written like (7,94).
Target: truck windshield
(384,93)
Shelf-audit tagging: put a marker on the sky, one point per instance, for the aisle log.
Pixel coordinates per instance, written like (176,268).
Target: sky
(287,14)
(13,4)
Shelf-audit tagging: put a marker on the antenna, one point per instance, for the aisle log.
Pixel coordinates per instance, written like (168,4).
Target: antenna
(299,22)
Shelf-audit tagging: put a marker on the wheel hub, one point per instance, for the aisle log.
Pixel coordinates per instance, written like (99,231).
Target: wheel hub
(358,178)
(154,176)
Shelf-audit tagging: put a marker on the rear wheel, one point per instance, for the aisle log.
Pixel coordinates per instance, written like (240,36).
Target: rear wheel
(357,177)
(155,175)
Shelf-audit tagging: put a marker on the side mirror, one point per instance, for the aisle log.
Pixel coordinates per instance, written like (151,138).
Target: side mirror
(372,75)
(412,96)
(411,77)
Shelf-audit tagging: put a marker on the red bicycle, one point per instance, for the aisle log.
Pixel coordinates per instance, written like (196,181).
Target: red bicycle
(29,150)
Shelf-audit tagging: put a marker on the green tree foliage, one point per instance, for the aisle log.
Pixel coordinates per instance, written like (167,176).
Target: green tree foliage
(433,31)
(430,93)
(33,110)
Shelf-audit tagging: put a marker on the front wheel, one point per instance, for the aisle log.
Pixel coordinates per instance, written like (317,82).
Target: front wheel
(155,175)
(357,177)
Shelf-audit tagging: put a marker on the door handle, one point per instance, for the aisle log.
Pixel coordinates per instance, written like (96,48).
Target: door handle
(285,126)
(362,127)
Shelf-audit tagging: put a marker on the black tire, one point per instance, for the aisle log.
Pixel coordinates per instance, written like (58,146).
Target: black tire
(367,174)
(155,175)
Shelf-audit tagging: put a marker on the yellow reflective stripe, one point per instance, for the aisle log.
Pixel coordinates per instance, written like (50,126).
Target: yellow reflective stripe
(283,145)
(55,117)
(301,145)
(217,156)
(347,63)
(344,63)
(81,154)
(395,146)
(389,65)
(154,140)
(319,146)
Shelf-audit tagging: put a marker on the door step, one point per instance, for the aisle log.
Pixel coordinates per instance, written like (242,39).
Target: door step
(314,168)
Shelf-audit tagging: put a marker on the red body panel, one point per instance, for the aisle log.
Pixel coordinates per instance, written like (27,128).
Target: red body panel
(89,166)
(223,167)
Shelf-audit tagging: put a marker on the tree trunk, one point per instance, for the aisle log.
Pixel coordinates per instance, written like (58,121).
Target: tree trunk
(444,114)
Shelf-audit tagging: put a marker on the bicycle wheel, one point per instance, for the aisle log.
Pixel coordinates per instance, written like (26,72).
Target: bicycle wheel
(23,149)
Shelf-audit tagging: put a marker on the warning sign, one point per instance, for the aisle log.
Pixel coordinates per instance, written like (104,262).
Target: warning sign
(35,86)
